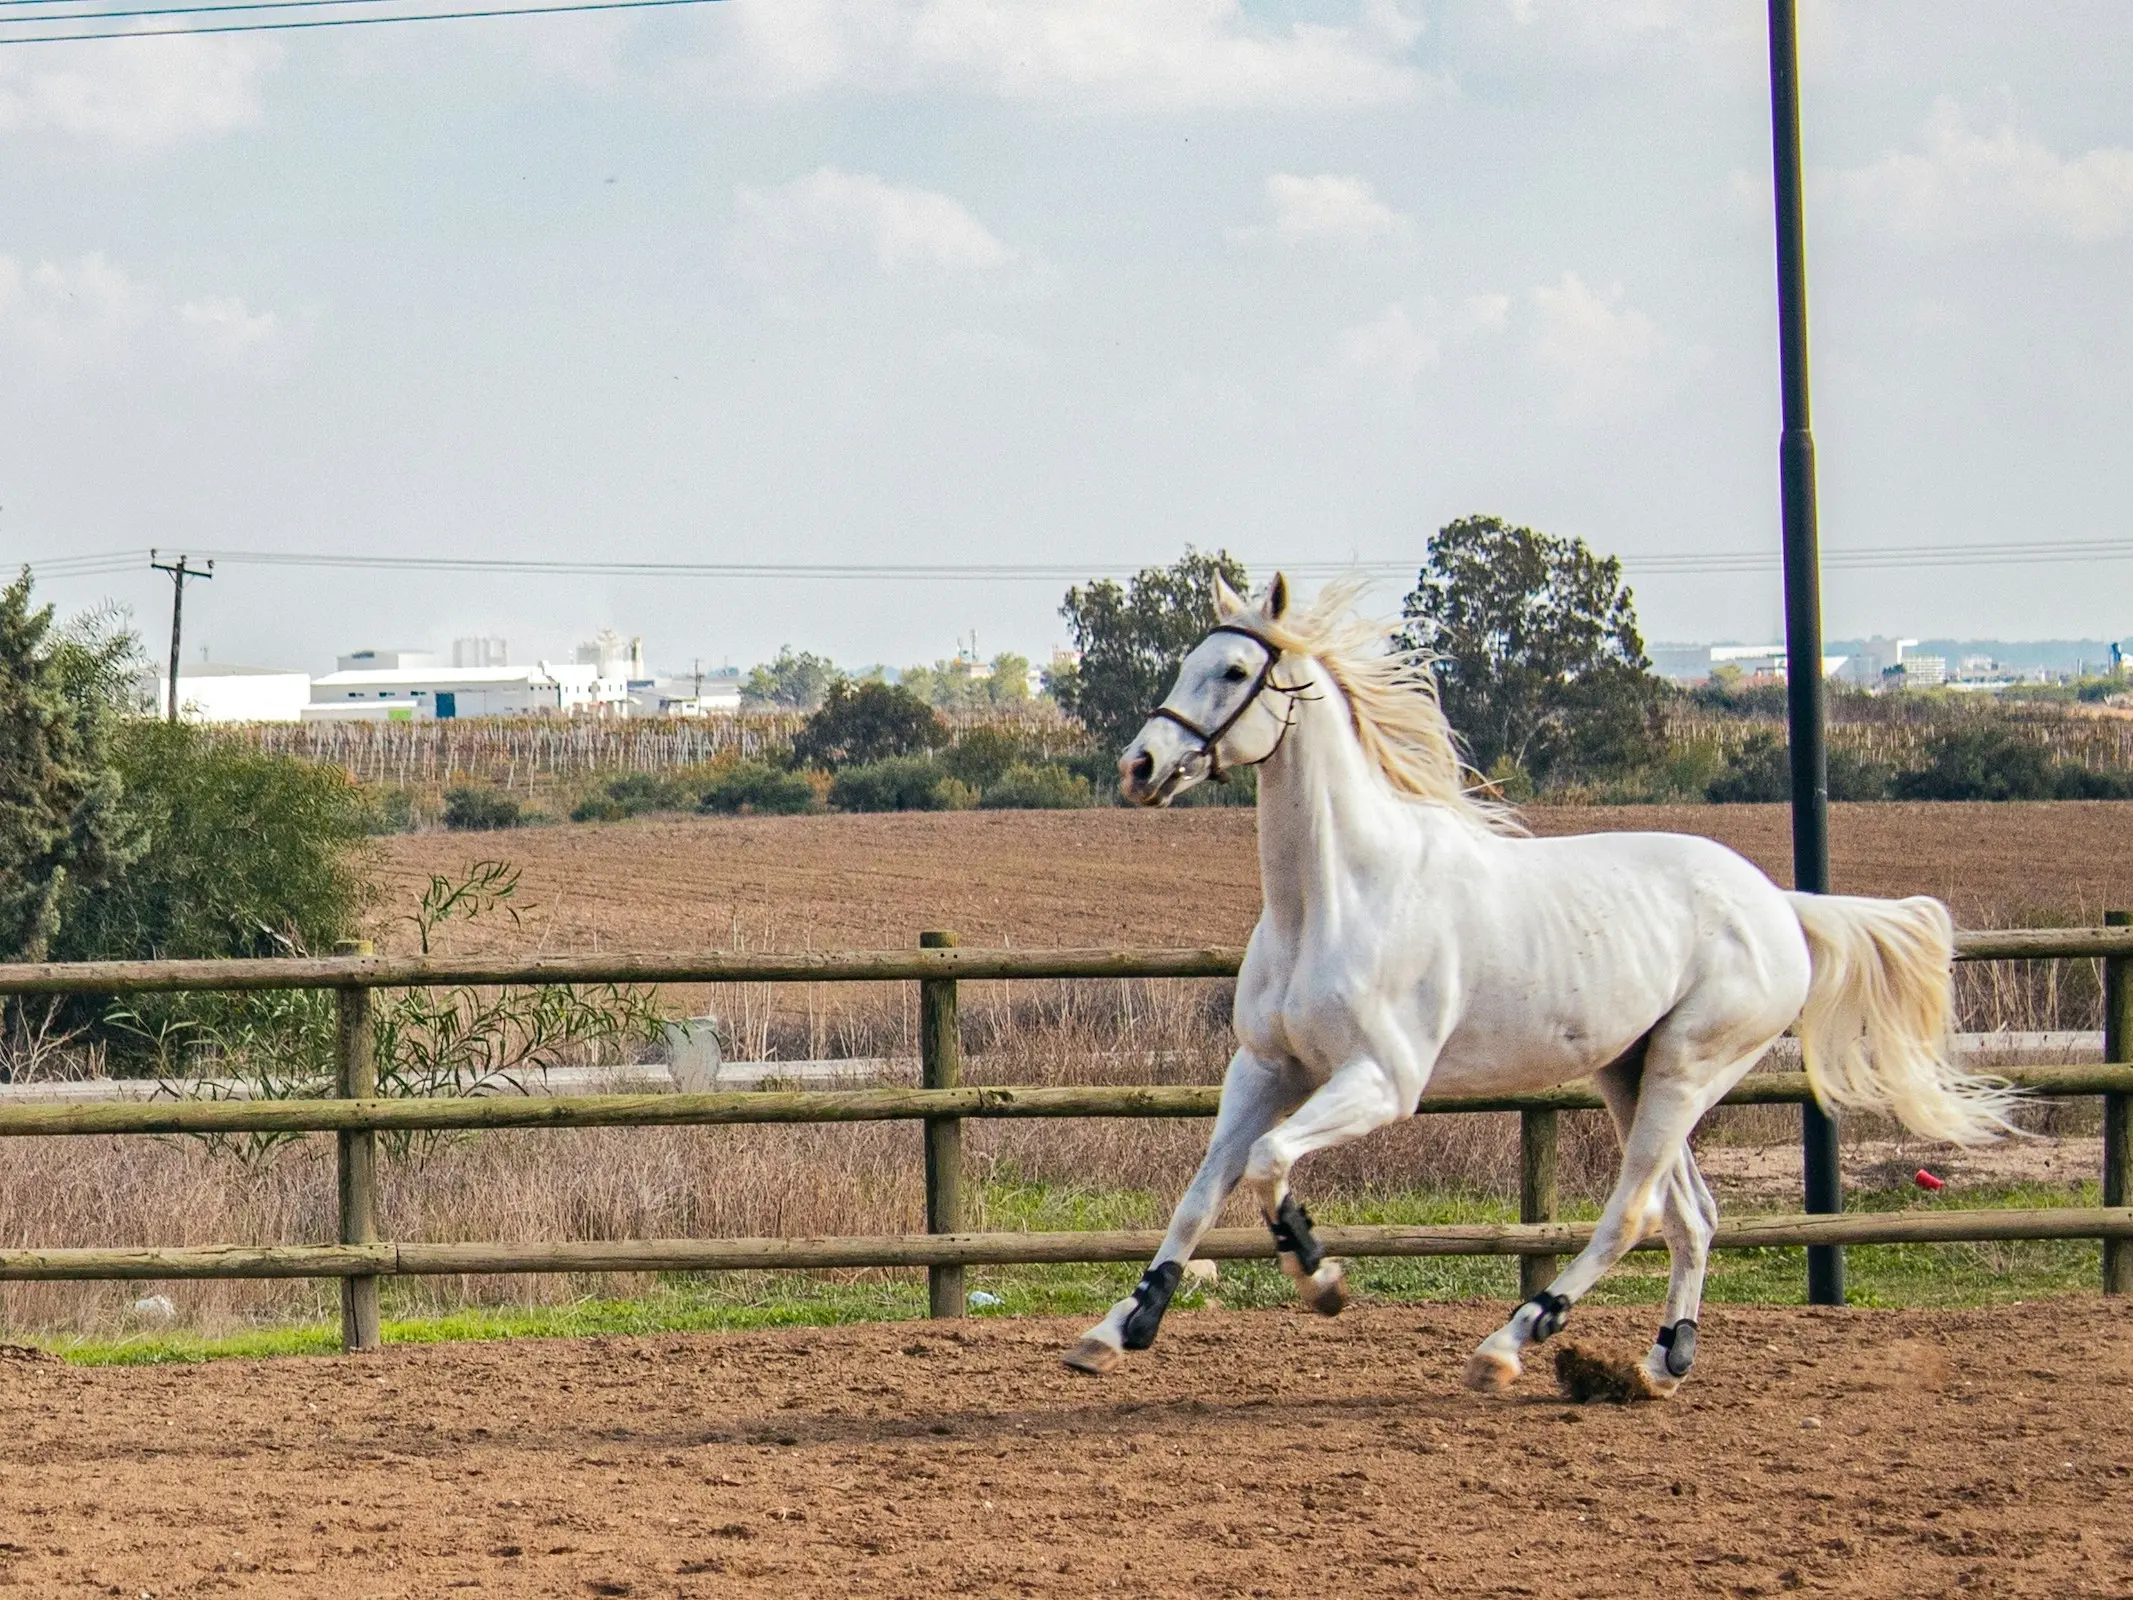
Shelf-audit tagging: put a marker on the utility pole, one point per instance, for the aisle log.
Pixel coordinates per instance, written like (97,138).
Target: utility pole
(179,572)
(1803,595)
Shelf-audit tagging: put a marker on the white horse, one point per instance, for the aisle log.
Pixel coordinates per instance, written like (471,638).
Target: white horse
(1414,942)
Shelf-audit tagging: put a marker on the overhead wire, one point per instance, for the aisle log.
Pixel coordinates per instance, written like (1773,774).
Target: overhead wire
(1656,564)
(360,21)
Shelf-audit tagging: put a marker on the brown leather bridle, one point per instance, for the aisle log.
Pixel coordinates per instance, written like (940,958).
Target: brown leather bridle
(1210,740)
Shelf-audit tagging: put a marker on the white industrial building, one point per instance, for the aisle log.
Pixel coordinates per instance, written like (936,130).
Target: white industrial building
(410,685)
(708,694)
(213,691)
(1765,661)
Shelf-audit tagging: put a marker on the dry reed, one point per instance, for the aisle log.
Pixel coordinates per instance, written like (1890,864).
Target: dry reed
(634,1183)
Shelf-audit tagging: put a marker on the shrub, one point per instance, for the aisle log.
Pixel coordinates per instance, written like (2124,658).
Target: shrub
(867,722)
(246,854)
(2070,782)
(631,795)
(981,755)
(900,783)
(392,811)
(757,788)
(479,810)
(1760,772)
(1979,763)
(1028,786)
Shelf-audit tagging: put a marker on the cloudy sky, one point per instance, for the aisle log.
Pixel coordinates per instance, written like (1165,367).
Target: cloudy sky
(1062,281)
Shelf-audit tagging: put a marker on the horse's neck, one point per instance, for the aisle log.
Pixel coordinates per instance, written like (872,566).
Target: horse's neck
(1325,812)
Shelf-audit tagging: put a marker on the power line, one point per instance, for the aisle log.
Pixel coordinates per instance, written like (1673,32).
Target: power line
(1656,564)
(166,11)
(309,22)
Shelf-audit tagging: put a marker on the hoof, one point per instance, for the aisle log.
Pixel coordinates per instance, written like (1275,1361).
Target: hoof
(1094,1357)
(1489,1373)
(1326,1290)
(1656,1381)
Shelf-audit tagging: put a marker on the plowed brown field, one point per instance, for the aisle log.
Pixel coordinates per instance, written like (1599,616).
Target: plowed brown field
(1868,1453)
(1110,876)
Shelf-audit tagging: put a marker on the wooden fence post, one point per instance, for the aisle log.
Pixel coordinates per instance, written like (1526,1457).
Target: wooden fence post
(940,1053)
(356,1074)
(2117,1108)
(1536,1194)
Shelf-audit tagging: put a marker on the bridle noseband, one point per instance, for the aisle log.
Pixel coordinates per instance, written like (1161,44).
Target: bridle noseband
(1210,739)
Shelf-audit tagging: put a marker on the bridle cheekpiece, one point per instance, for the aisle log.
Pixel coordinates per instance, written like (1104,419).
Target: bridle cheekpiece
(1210,740)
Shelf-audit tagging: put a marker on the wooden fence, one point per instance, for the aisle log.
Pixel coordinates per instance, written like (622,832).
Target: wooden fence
(357,1115)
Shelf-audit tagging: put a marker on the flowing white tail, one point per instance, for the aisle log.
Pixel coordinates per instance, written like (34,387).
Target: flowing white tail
(1874,1034)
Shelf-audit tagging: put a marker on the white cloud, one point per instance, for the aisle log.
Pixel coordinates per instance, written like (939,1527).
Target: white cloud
(1395,342)
(1081,55)
(94,312)
(224,327)
(1971,183)
(135,93)
(900,229)
(1327,209)
(1585,333)
(1485,313)
(90,307)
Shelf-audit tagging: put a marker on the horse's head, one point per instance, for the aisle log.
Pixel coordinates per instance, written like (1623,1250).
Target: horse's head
(1218,714)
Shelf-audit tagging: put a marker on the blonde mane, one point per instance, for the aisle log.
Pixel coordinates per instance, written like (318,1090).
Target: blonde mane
(1392,701)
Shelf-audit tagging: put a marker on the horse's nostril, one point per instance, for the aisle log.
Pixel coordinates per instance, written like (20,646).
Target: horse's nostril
(1143,767)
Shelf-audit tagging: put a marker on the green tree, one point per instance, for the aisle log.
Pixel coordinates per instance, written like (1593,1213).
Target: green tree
(1538,655)
(958,685)
(1132,639)
(864,722)
(62,832)
(796,681)
(241,854)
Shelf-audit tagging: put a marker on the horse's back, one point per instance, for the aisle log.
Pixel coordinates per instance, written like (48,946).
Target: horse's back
(1575,947)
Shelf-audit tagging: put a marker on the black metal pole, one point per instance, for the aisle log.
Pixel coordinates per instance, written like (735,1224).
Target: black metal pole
(1803,594)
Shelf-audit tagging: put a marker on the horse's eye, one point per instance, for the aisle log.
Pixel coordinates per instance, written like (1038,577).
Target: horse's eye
(1236,674)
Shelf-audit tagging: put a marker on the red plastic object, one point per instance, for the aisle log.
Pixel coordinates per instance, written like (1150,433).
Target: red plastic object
(1926,1180)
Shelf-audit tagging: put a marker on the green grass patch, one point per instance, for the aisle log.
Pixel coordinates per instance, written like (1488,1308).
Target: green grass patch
(1877,1275)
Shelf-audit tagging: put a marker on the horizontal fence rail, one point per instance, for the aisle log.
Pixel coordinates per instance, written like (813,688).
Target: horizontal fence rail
(357,1115)
(724,966)
(1023,1249)
(837,1105)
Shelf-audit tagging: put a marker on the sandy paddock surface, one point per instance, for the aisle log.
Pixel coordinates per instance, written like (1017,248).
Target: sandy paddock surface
(1252,1453)
(1109,876)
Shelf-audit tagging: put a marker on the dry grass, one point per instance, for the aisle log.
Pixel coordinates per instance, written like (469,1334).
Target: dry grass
(666,1182)
(1087,878)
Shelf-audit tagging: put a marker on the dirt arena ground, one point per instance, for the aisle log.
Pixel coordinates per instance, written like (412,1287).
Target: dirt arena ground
(1111,876)
(1869,1453)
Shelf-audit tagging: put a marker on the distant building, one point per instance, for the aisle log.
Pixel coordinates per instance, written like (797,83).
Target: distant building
(1870,667)
(480,653)
(212,691)
(615,659)
(425,692)
(386,660)
(1918,672)
(709,694)
(1764,663)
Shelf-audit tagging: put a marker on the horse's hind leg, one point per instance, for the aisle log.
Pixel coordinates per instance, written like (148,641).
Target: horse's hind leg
(1688,1220)
(1672,1097)
(1255,1094)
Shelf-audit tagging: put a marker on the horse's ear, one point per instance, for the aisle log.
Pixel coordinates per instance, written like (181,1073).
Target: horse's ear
(1277,598)
(1227,601)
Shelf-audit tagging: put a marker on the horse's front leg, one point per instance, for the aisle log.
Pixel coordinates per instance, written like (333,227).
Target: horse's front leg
(1256,1093)
(1357,1099)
